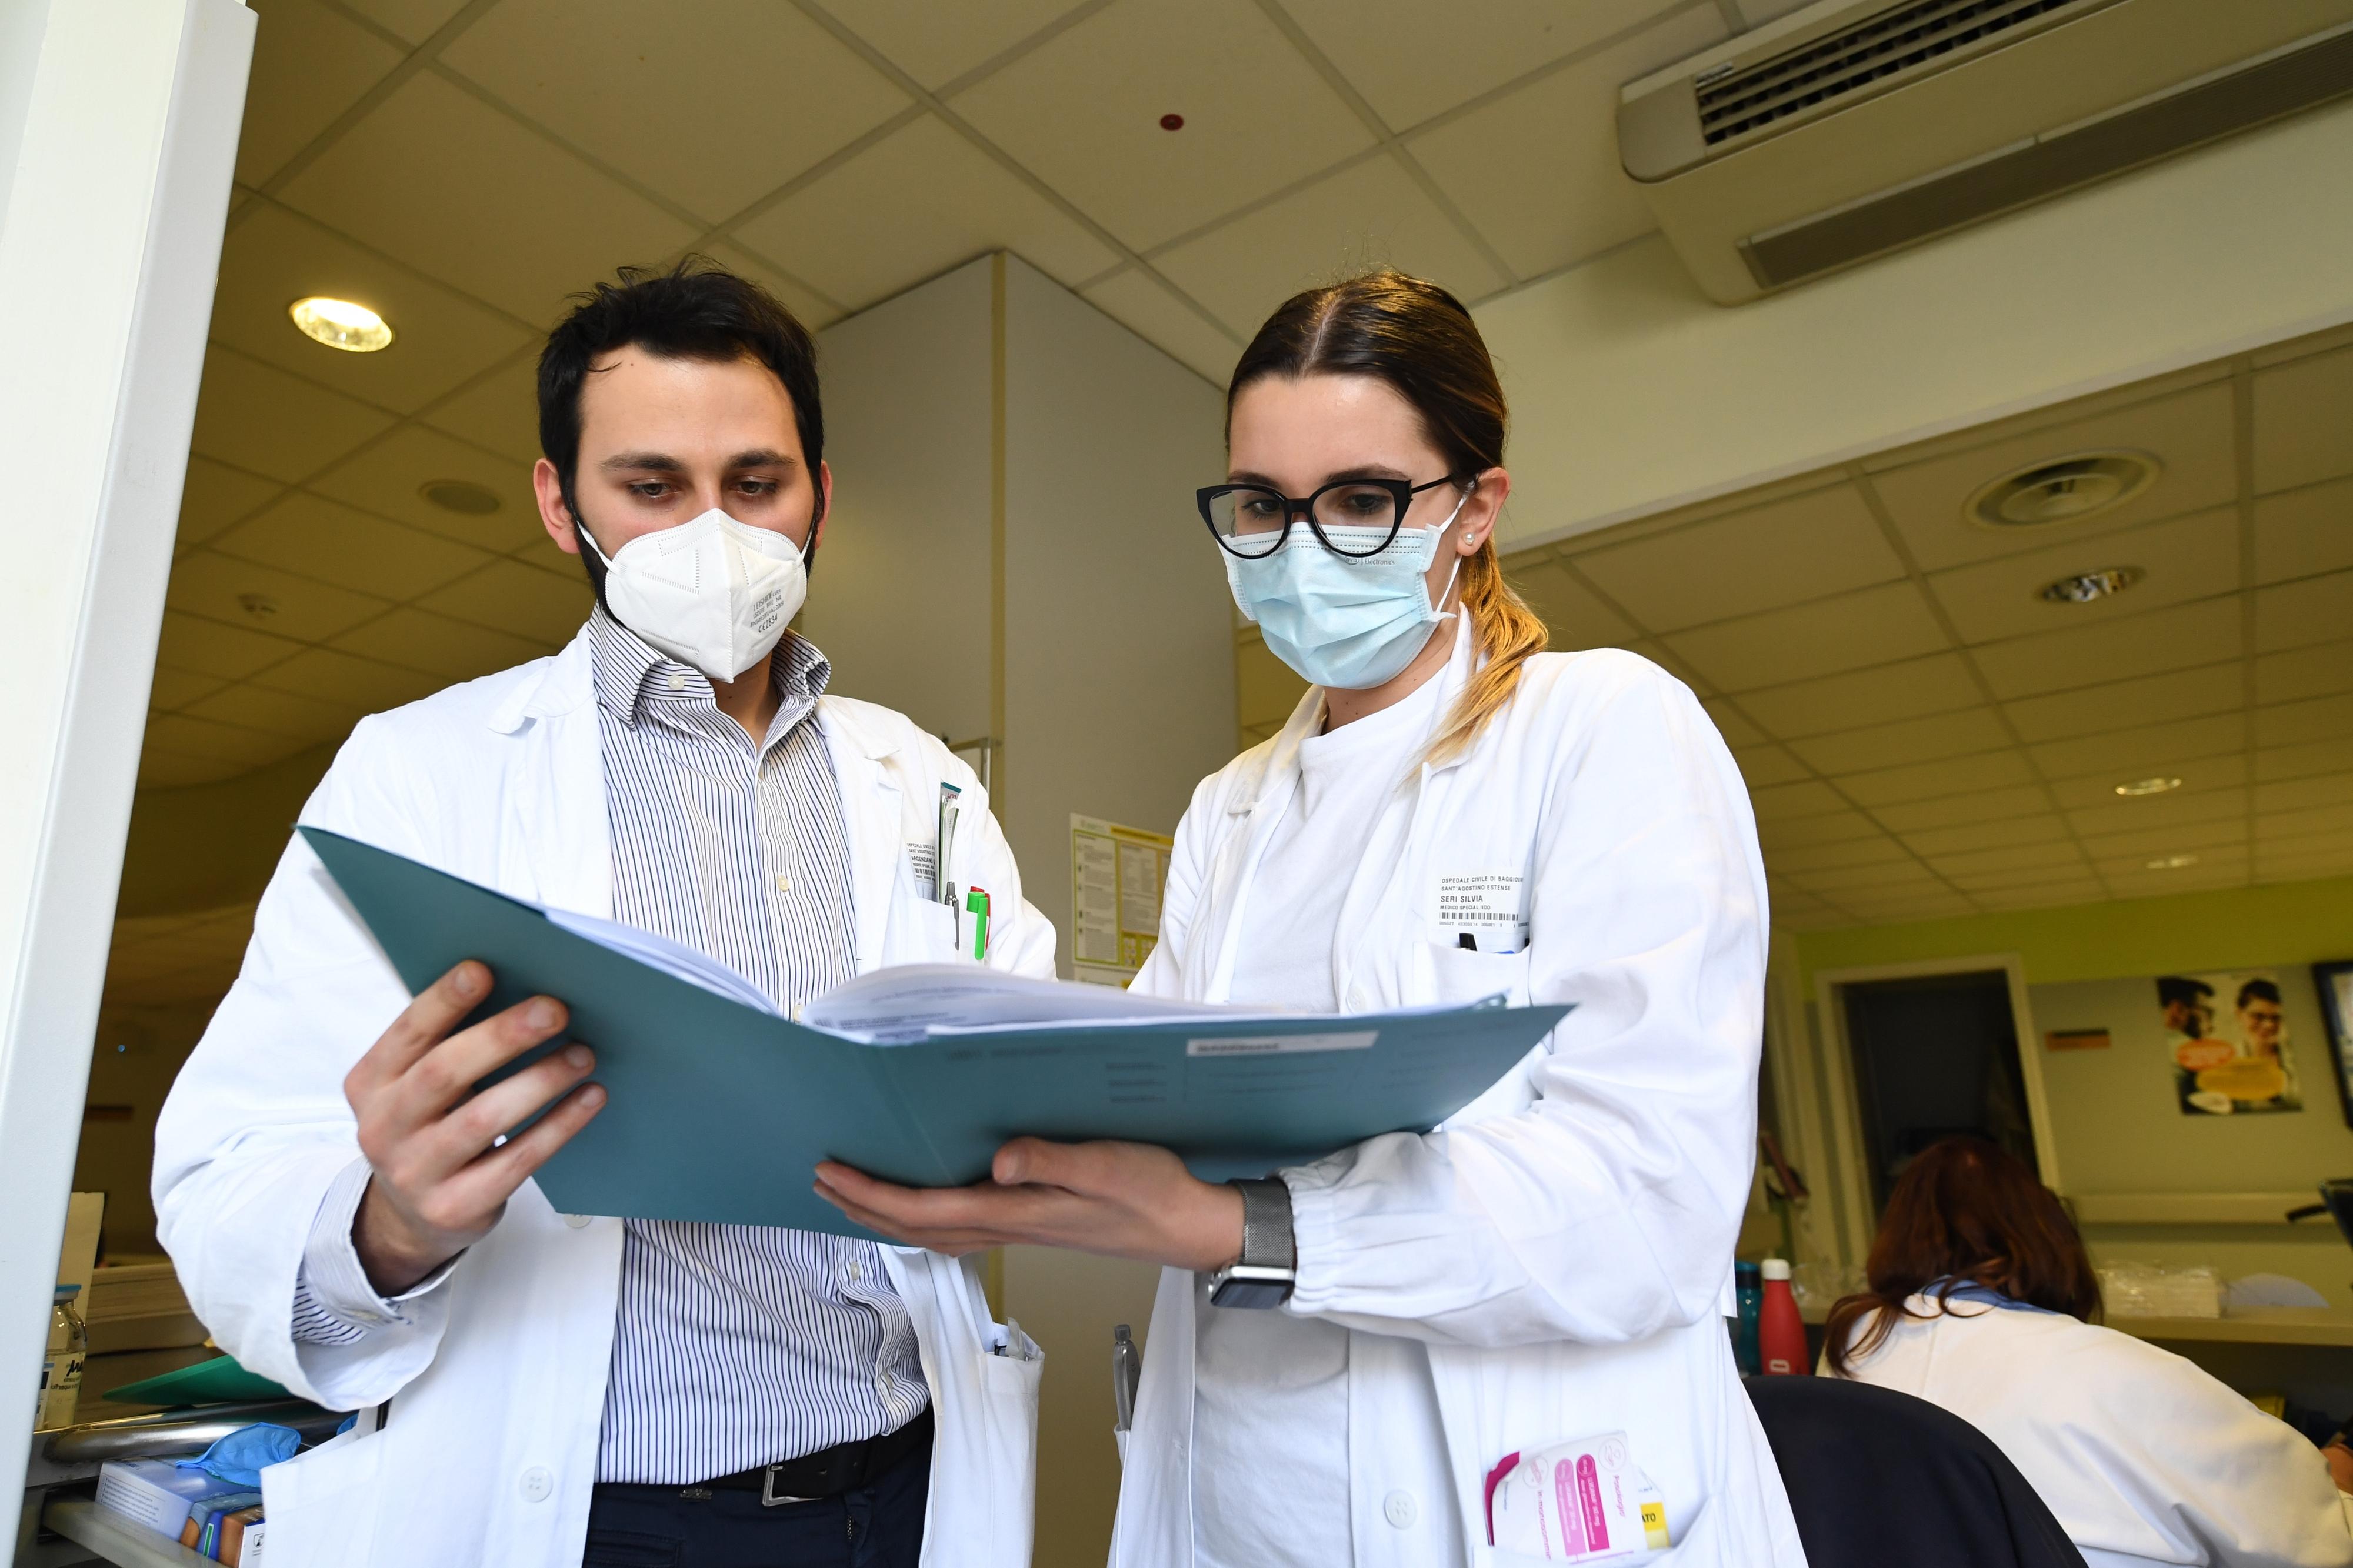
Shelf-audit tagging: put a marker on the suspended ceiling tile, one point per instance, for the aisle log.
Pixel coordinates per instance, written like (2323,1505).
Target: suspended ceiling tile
(1658,653)
(305,719)
(2296,795)
(2179,809)
(1850,884)
(2300,865)
(807,308)
(1410,70)
(500,411)
(449,185)
(2277,825)
(1763,766)
(318,538)
(259,418)
(2032,874)
(2184,696)
(232,652)
(2192,557)
(1807,798)
(2188,434)
(2222,772)
(1144,305)
(2221,832)
(1878,849)
(330,676)
(2304,532)
(241,592)
(1537,171)
(1925,781)
(2136,754)
(508,596)
(1908,740)
(1845,825)
(1083,112)
(242,748)
(2314,671)
(1940,683)
(936,44)
(2315,609)
(2300,421)
(916,204)
(2137,880)
(2334,843)
(2004,832)
(1801,549)
(217,495)
(2206,632)
(1737,732)
(1371,214)
(439,338)
(2314,719)
(170,690)
(1910,907)
(457,649)
(1876,626)
(2043,895)
(2304,760)
(1973,806)
(2059,858)
(1576,617)
(388,480)
(310,65)
(159,768)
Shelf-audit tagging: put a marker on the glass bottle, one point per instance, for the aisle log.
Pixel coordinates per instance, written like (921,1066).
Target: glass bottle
(61,1367)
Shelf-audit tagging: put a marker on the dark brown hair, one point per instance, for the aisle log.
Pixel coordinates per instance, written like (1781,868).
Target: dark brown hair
(1419,340)
(1965,1210)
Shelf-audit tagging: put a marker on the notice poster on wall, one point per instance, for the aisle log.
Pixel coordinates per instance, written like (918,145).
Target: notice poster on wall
(1116,877)
(2335,982)
(2226,1034)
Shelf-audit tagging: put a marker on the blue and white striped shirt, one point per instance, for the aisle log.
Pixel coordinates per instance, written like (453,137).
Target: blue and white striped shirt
(736,1345)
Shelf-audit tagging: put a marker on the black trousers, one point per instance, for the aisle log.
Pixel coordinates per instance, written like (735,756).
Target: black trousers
(877,1526)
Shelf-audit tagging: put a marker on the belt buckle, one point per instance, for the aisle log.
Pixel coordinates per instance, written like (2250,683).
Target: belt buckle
(768,1497)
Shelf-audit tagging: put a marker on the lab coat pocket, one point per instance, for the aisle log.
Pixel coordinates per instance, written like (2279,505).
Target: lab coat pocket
(925,932)
(1463,976)
(322,1502)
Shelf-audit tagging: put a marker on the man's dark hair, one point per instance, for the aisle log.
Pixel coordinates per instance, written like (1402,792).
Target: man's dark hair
(2262,990)
(2172,988)
(697,310)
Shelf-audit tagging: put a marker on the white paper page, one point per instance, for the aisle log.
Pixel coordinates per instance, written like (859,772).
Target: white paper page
(671,958)
(913,999)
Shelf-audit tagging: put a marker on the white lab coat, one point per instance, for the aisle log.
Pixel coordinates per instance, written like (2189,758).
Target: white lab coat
(1562,1248)
(2140,1455)
(498,1385)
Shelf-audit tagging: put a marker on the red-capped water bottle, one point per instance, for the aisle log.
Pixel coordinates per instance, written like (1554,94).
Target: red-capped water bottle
(1780,1332)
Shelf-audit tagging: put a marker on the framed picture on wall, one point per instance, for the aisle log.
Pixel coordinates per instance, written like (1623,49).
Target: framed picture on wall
(2336,983)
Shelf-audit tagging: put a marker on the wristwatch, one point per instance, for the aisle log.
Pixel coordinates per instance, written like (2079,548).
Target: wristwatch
(1269,1267)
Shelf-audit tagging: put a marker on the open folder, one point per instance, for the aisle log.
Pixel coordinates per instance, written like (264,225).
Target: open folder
(719,1108)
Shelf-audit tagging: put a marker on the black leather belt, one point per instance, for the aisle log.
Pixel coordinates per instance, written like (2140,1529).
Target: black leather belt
(830,1472)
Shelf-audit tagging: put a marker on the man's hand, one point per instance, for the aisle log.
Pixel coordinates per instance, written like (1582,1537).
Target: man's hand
(1123,1200)
(439,1184)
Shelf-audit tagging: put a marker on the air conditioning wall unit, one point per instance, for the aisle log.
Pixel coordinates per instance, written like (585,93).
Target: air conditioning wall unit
(1848,129)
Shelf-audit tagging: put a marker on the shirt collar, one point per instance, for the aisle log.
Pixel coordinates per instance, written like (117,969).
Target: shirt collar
(628,671)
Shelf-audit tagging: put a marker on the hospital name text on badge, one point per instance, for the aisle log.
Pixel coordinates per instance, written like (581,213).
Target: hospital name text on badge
(1485,911)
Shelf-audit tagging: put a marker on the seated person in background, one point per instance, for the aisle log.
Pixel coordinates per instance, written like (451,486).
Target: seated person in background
(1980,1299)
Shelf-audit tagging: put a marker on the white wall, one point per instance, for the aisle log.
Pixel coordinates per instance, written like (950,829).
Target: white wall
(108,255)
(1631,393)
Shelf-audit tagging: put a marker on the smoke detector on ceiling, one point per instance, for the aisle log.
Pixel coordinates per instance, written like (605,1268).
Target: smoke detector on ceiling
(460,496)
(2084,587)
(2064,489)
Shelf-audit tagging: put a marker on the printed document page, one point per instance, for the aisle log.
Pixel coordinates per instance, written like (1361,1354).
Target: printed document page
(890,1006)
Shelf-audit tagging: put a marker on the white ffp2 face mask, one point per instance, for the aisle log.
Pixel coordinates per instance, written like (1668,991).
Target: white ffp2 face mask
(712,593)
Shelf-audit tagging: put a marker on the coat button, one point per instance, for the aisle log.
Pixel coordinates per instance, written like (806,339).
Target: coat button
(1398,1508)
(535,1483)
(578,1221)
(1358,1000)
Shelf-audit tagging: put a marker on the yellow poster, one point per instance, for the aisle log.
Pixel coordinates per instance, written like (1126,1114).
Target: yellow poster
(1116,877)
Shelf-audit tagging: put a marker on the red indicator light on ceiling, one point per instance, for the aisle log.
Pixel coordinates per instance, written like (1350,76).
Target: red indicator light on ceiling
(1172,122)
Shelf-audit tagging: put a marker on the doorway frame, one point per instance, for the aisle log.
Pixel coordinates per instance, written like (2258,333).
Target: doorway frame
(1846,1110)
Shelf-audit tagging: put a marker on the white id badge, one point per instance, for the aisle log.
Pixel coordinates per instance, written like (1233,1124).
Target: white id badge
(1488,908)
(1578,1502)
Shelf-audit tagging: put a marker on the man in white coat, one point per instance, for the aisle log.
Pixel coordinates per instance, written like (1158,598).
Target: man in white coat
(540,1388)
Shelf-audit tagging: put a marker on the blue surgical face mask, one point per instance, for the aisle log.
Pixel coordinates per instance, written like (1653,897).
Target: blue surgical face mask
(1341,621)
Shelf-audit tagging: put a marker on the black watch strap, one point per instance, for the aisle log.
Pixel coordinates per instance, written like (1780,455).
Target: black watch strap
(1265,1273)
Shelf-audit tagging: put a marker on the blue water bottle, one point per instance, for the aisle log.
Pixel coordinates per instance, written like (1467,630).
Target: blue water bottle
(1748,1291)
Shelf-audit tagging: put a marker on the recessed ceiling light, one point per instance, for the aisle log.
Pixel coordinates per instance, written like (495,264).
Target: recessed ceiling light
(2084,587)
(2149,786)
(460,495)
(2172,862)
(341,324)
(2062,490)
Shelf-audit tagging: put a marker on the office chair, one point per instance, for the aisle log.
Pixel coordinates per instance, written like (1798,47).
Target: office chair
(1877,1478)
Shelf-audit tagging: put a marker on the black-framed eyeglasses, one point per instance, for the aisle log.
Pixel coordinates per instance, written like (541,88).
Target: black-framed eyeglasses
(1250,521)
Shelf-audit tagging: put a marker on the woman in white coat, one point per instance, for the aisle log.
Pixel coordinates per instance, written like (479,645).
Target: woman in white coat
(1980,1299)
(1450,814)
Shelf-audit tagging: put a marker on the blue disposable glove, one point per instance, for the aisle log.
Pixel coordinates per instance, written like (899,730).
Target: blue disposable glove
(241,1457)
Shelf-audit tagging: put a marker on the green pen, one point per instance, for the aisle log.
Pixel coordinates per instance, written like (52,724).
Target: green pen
(976,903)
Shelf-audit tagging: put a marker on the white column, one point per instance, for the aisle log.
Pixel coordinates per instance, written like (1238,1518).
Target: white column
(124,130)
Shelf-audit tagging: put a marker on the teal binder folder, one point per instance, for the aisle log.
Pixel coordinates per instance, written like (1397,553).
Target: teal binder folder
(720,1112)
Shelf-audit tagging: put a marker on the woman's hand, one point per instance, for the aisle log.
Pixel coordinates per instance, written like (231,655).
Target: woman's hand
(1123,1200)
